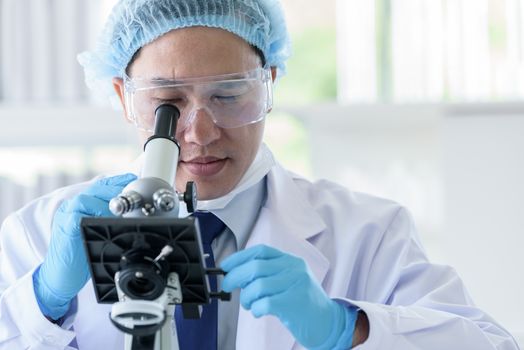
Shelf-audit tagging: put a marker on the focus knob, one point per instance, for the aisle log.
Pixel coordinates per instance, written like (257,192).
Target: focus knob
(190,196)
(164,199)
(125,203)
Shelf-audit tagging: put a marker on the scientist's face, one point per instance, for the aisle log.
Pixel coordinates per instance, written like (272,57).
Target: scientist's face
(214,158)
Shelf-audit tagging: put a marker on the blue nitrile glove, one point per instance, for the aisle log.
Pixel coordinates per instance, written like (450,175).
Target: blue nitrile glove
(280,284)
(65,270)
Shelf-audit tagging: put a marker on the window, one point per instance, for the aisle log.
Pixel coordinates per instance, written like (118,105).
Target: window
(38,47)
(430,50)
(311,80)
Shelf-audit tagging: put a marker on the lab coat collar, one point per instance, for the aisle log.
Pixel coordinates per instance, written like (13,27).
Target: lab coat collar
(286,222)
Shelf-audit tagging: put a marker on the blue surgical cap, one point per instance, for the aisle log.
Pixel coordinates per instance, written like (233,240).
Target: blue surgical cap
(135,23)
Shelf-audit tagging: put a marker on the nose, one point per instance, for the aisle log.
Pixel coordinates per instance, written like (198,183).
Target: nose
(201,130)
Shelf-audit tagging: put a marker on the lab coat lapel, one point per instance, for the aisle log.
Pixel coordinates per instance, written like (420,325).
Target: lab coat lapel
(285,222)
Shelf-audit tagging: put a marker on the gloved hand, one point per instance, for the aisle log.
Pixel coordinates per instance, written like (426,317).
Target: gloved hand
(65,270)
(280,284)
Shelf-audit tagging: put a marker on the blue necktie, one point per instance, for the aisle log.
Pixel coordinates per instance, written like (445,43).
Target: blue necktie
(201,334)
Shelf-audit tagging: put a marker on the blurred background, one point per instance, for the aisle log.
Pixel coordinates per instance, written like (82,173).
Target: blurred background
(420,101)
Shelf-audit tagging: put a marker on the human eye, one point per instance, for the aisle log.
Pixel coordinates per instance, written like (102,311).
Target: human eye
(159,101)
(226,99)
(166,96)
(230,94)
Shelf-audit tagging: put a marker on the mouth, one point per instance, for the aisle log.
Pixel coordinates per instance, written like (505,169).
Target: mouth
(204,166)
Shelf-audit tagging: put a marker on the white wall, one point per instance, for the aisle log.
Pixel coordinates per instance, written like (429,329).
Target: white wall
(483,238)
(460,170)
(63,125)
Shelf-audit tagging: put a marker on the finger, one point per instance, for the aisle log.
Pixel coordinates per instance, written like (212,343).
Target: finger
(70,229)
(118,180)
(108,188)
(68,219)
(243,256)
(68,224)
(272,305)
(246,273)
(265,287)
(87,205)
(105,193)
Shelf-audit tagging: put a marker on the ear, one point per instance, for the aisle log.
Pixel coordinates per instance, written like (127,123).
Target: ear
(118,85)
(273,77)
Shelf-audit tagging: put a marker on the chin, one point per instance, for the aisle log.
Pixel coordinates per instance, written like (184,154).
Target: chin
(210,191)
(206,190)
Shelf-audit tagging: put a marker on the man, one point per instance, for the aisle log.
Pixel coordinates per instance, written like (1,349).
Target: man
(309,264)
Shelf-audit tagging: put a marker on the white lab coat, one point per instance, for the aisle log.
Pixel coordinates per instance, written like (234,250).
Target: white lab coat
(363,250)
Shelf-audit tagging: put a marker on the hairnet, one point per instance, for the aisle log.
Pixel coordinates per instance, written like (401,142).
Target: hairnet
(135,23)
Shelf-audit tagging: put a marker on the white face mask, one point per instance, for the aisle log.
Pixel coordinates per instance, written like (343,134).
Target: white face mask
(261,165)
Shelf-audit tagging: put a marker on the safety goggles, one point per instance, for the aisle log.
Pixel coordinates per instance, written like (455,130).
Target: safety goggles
(230,100)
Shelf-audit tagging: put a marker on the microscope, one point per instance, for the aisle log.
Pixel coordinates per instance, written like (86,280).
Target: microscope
(147,259)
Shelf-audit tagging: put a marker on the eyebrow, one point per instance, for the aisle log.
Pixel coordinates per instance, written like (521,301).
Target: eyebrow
(232,76)
(226,86)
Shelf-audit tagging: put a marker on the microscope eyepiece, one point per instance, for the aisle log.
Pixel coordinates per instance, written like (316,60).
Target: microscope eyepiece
(166,121)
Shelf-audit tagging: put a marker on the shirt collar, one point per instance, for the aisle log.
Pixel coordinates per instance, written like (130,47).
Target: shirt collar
(241,213)
(239,208)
